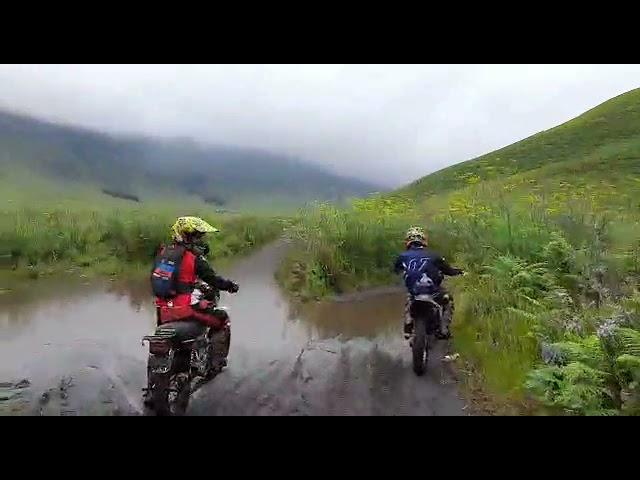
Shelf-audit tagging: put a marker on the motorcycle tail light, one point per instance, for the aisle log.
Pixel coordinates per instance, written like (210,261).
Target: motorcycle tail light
(158,347)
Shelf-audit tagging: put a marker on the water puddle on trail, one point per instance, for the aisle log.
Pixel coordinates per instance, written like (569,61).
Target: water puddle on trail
(73,348)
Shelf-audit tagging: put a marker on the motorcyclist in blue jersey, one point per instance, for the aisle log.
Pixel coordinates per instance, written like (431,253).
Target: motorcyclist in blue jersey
(423,272)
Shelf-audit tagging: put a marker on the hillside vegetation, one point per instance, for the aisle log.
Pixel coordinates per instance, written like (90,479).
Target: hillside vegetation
(49,228)
(548,229)
(603,133)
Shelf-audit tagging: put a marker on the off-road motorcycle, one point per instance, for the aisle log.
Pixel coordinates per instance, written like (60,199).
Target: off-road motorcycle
(181,359)
(427,315)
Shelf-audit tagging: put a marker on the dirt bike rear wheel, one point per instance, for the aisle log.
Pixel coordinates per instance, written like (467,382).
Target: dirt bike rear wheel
(159,398)
(419,347)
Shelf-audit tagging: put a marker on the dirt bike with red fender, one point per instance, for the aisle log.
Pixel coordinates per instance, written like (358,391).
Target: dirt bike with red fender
(181,358)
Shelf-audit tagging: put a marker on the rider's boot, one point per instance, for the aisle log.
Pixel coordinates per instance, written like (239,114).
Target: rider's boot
(408,320)
(220,341)
(447,313)
(408,330)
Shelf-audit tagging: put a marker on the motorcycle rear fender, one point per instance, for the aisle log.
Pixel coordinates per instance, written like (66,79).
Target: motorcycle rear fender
(221,313)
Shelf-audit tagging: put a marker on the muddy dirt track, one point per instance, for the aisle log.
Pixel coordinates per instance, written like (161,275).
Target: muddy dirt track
(77,346)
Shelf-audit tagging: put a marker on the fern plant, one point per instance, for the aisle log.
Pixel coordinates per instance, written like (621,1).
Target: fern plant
(595,375)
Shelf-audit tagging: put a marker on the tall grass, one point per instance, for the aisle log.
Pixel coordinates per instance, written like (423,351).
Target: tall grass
(36,237)
(339,250)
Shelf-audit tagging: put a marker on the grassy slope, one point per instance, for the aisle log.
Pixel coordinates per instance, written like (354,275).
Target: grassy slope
(603,133)
(548,229)
(570,179)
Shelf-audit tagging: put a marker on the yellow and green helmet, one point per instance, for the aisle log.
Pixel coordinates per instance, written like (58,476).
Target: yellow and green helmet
(186,226)
(416,234)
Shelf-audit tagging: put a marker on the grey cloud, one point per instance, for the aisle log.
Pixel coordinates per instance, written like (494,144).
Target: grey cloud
(386,123)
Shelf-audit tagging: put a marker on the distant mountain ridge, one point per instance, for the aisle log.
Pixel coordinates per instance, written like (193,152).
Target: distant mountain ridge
(126,163)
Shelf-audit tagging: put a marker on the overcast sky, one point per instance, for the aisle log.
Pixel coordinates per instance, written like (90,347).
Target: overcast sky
(385,123)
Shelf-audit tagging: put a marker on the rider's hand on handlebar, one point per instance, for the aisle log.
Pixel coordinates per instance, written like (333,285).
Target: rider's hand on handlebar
(234,287)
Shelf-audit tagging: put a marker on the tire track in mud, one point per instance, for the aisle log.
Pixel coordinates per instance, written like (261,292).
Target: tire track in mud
(342,358)
(356,377)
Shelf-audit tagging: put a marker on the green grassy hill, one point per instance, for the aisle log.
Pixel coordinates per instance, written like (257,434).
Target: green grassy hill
(604,137)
